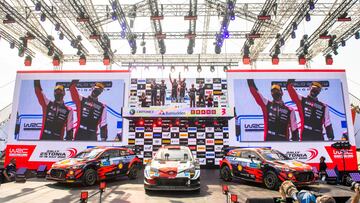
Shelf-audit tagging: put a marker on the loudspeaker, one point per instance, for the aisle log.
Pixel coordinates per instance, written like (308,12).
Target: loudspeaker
(20,176)
(41,171)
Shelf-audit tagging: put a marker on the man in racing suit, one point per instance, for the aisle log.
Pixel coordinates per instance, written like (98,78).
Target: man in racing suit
(91,113)
(56,116)
(278,118)
(313,113)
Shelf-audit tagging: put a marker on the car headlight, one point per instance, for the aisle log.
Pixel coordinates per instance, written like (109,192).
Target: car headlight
(153,171)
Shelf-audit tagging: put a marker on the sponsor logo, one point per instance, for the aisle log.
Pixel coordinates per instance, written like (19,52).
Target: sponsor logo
(202,161)
(157,135)
(203,112)
(218,148)
(166,141)
(174,141)
(156,141)
(72,152)
(209,141)
(148,148)
(132,111)
(201,135)
(200,148)
(148,135)
(219,142)
(131,141)
(18,152)
(210,154)
(348,154)
(308,155)
(192,129)
(254,127)
(192,141)
(166,135)
(32,126)
(183,135)
(148,141)
(139,142)
(53,154)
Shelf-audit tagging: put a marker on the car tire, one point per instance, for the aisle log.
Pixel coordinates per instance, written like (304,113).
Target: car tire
(133,172)
(225,173)
(148,192)
(271,181)
(90,177)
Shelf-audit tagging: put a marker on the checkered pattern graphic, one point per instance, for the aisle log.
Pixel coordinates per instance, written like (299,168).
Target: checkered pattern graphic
(216,86)
(206,143)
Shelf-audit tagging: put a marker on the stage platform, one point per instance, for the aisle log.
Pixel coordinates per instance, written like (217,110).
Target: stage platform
(124,190)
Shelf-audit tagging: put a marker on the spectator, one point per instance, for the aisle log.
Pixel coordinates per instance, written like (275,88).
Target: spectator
(10,170)
(322,168)
(210,100)
(162,88)
(192,91)
(143,99)
(288,189)
(201,91)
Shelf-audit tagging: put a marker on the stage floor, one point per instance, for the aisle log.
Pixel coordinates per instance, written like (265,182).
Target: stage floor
(124,190)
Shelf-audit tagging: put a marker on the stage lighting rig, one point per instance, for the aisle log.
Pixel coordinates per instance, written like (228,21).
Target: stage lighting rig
(192,17)
(156,17)
(12,45)
(199,69)
(28,61)
(329,60)
(82,60)
(212,68)
(224,32)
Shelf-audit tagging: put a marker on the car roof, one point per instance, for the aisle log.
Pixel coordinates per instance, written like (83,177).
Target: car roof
(174,147)
(104,148)
(256,149)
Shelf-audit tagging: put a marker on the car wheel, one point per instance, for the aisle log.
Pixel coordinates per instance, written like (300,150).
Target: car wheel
(225,173)
(271,181)
(148,192)
(89,177)
(133,172)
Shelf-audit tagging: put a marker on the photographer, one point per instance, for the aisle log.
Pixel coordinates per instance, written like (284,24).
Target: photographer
(356,187)
(288,189)
(10,171)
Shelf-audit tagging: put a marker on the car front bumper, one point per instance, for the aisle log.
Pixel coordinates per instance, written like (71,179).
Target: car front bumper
(172,184)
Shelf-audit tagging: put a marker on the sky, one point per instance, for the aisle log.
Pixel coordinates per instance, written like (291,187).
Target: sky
(346,59)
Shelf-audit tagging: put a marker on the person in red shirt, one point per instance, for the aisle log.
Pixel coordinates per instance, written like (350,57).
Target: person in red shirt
(279,119)
(91,113)
(313,113)
(56,115)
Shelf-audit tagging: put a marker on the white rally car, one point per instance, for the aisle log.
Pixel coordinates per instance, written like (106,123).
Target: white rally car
(172,168)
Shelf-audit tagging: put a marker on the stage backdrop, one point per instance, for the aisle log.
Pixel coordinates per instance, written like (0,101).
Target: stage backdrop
(301,127)
(40,131)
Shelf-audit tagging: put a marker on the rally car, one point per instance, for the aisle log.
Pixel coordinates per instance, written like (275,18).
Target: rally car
(264,165)
(172,168)
(96,164)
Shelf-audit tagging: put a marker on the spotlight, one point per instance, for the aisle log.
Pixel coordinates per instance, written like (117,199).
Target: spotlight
(215,122)
(294,26)
(357,35)
(234,198)
(28,61)
(38,6)
(217,49)
(275,60)
(84,196)
(12,45)
(225,68)
(21,51)
(232,16)
(8,19)
(141,122)
(56,60)
(302,60)
(159,122)
(335,51)
(293,35)
(106,60)
(212,68)
(329,60)
(61,36)
(311,5)
(226,34)
(113,16)
(42,17)
(172,69)
(199,68)
(57,26)
(146,68)
(78,52)
(343,43)
(122,34)
(50,51)
(82,60)
(307,17)
(114,5)
(186,68)
(177,122)
(246,60)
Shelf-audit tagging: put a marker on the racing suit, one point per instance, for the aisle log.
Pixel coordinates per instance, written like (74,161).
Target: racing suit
(278,118)
(313,115)
(56,117)
(90,114)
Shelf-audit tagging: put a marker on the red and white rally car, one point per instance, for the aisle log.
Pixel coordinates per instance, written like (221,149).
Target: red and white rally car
(172,168)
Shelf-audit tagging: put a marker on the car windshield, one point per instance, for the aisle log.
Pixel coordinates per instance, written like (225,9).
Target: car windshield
(273,155)
(89,154)
(173,155)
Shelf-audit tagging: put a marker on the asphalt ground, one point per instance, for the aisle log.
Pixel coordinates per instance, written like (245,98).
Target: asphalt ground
(124,190)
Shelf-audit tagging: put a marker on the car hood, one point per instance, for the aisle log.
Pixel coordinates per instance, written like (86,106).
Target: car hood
(295,165)
(69,162)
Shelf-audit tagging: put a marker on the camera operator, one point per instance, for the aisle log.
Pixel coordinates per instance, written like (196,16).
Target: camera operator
(356,187)
(288,189)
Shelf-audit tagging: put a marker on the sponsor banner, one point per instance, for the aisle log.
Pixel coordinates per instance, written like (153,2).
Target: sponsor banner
(158,111)
(210,142)
(256,103)
(192,141)
(166,135)
(148,148)
(200,136)
(175,141)
(157,129)
(148,135)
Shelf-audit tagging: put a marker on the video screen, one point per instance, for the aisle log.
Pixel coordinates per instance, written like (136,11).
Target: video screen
(178,92)
(70,110)
(289,110)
